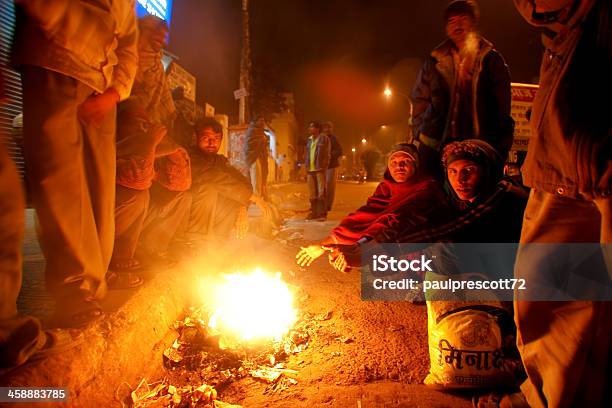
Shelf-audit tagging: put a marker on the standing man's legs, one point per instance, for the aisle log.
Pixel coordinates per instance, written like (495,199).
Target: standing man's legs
(19,335)
(311,181)
(332,176)
(565,346)
(71,172)
(321,193)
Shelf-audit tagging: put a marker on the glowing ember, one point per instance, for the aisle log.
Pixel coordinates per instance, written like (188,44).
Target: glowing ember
(253,306)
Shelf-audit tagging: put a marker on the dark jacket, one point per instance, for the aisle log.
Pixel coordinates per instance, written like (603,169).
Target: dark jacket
(214,171)
(322,153)
(570,152)
(335,153)
(256,145)
(433,92)
(496,218)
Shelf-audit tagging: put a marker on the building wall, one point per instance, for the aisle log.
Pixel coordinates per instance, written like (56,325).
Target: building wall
(285,128)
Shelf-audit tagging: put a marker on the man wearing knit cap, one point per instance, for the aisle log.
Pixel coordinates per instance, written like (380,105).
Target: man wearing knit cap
(462,90)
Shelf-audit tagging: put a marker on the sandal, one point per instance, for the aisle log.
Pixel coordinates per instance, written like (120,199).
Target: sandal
(500,400)
(125,264)
(76,314)
(123,280)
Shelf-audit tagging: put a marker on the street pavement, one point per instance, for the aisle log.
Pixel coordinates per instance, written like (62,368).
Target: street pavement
(382,356)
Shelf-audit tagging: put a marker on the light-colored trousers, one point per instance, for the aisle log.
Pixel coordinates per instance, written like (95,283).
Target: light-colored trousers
(565,346)
(71,174)
(19,335)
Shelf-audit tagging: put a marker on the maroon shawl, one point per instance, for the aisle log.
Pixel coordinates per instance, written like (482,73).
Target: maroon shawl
(383,209)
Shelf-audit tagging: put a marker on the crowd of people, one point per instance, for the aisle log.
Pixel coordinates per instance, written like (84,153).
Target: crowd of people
(462,133)
(118,172)
(118,168)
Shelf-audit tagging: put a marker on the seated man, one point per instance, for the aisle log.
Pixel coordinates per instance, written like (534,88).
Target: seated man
(137,139)
(221,194)
(170,202)
(403,191)
(487,209)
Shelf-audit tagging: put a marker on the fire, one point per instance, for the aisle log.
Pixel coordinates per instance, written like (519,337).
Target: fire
(254,306)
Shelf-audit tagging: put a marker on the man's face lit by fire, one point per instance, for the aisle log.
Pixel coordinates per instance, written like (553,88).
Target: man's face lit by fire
(458,27)
(208,140)
(313,130)
(401,167)
(464,177)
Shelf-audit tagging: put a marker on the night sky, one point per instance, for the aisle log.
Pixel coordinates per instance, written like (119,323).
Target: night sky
(335,55)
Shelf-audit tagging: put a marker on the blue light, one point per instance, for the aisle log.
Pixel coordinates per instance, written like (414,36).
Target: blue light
(159,8)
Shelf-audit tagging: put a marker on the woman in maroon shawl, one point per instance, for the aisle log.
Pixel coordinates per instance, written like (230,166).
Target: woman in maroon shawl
(403,191)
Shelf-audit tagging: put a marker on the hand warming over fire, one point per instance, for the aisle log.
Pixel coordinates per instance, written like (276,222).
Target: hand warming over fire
(262,205)
(338,261)
(308,255)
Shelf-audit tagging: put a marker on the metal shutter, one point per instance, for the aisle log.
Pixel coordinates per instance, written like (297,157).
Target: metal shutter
(12,85)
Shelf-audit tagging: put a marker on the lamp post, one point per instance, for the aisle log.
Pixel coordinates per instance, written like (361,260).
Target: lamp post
(353,150)
(245,65)
(388,92)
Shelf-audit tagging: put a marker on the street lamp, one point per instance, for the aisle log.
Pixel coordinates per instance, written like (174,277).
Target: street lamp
(364,141)
(353,150)
(388,92)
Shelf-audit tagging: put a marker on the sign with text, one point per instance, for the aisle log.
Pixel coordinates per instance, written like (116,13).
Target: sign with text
(522,102)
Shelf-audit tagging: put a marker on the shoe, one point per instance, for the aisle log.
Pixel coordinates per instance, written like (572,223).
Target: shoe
(76,313)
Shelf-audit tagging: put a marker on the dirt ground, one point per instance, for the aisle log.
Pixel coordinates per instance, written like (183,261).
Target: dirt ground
(362,354)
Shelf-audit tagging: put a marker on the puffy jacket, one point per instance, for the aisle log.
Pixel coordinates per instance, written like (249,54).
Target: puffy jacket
(570,153)
(433,92)
(322,153)
(94,42)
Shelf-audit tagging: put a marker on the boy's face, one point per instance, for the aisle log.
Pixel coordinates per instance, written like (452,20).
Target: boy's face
(208,140)
(464,177)
(401,167)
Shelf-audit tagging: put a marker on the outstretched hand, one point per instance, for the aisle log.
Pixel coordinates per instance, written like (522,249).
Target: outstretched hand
(308,255)
(338,261)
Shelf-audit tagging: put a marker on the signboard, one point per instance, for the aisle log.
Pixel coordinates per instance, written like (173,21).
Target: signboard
(240,93)
(159,8)
(209,111)
(522,102)
(179,76)
(236,148)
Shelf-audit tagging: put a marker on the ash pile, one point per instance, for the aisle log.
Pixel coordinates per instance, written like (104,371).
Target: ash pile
(200,363)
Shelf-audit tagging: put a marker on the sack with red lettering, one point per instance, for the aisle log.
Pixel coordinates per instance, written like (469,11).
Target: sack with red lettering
(471,345)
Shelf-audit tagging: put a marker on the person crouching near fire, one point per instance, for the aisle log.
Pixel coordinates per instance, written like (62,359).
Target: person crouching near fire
(404,190)
(221,193)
